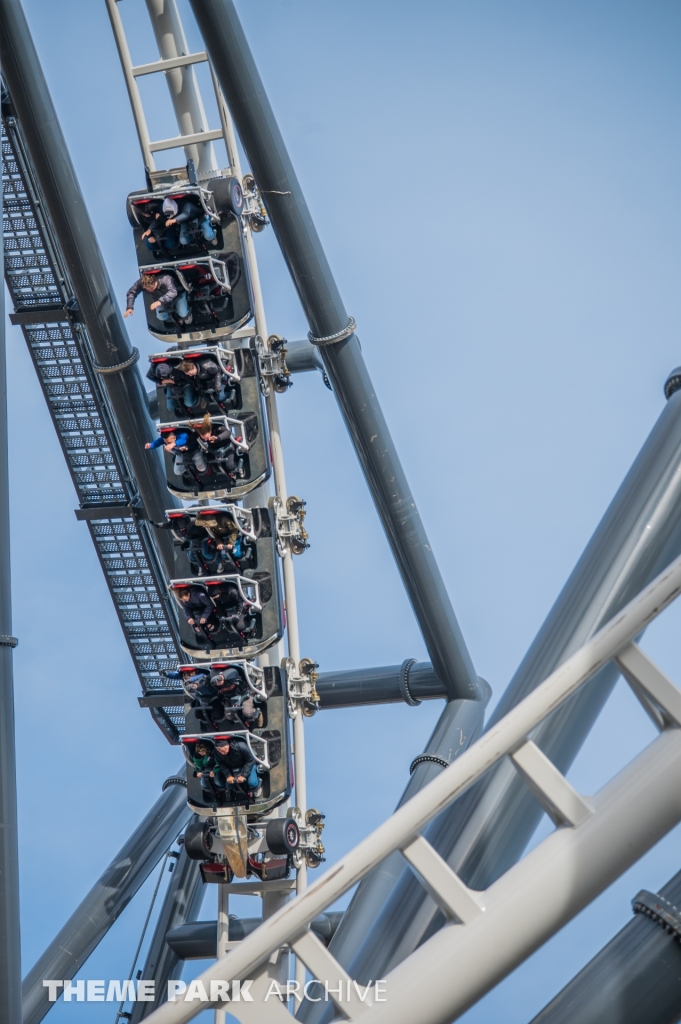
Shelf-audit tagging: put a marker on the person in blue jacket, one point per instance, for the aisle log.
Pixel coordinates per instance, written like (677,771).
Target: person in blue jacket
(183,445)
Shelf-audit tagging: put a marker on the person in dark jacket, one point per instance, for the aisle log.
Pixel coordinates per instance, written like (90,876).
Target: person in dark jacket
(208,768)
(182,395)
(232,547)
(222,446)
(183,445)
(191,218)
(237,697)
(198,609)
(191,537)
(168,297)
(208,378)
(236,763)
(157,236)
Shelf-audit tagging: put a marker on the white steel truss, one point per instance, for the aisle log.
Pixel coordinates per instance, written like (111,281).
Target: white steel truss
(489,933)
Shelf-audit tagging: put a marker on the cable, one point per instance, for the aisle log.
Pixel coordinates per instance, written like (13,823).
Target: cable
(144,932)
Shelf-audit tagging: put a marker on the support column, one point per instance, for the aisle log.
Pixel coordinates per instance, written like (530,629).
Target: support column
(223,938)
(327,317)
(107,899)
(184,91)
(10,945)
(182,905)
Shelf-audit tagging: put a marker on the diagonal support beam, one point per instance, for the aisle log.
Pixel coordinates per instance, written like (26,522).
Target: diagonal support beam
(639,670)
(328,319)
(562,803)
(326,969)
(456,899)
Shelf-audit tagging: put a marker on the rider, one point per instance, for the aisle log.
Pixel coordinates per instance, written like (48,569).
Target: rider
(198,609)
(191,537)
(236,763)
(209,769)
(230,545)
(156,233)
(238,700)
(169,298)
(181,444)
(191,217)
(223,445)
(180,389)
(206,375)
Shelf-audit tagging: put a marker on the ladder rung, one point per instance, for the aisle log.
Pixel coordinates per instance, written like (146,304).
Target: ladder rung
(168,65)
(637,666)
(180,141)
(325,968)
(445,887)
(561,802)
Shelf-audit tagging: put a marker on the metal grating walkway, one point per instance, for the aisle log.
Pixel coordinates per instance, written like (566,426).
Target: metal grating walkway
(60,350)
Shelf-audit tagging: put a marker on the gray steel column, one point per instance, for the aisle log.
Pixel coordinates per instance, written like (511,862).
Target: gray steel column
(356,687)
(10,944)
(184,91)
(107,899)
(75,235)
(486,831)
(635,979)
(182,905)
(326,314)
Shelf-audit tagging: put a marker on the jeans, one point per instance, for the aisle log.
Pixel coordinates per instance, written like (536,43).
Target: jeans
(218,781)
(198,458)
(250,783)
(181,307)
(190,398)
(189,226)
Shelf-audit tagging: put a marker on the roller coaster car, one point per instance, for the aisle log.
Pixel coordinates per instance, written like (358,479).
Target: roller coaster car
(244,617)
(214,299)
(239,367)
(233,468)
(221,200)
(270,746)
(256,547)
(253,678)
(228,383)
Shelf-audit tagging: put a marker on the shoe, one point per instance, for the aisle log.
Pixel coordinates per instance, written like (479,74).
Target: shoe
(188,319)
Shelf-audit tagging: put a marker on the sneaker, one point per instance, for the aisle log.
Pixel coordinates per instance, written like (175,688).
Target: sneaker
(188,319)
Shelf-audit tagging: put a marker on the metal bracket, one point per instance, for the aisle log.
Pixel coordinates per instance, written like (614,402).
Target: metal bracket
(8,641)
(424,759)
(291,534)
(405,668)
(254,213)
(302,691)
(274,373)
(119,367)
(311,849)
(659,910)
(333,339)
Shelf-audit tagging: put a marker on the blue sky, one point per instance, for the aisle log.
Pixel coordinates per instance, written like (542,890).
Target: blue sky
(497,188)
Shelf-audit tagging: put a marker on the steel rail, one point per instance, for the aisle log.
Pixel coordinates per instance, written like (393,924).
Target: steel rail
(107,899)
(242,87)
(60,349)
(657,766)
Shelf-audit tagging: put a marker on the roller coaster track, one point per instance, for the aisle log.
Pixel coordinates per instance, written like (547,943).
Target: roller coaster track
(59,346)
